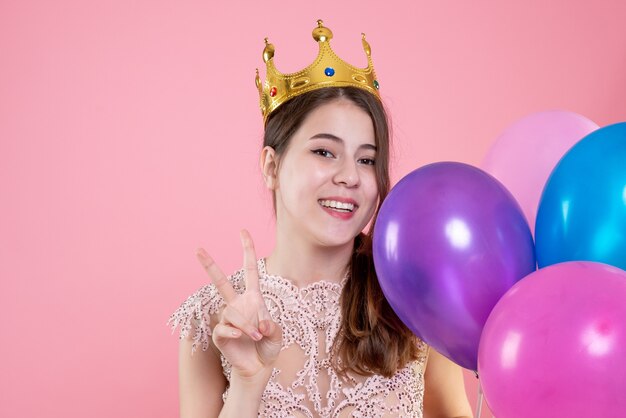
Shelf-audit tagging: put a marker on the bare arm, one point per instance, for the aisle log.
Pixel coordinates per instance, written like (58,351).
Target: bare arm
(444,394)
(201,382)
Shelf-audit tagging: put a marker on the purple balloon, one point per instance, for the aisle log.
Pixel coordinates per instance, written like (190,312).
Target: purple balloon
(555,344)
(449,241)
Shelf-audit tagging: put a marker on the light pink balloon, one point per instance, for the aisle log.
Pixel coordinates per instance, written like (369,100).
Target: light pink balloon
(555,345)
(523,156)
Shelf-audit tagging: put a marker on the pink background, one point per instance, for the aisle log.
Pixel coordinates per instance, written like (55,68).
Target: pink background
(129,135)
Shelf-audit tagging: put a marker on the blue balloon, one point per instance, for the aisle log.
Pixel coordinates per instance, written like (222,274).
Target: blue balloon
(582,211)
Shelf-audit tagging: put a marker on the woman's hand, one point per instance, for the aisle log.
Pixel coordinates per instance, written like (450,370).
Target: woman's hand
(245,333)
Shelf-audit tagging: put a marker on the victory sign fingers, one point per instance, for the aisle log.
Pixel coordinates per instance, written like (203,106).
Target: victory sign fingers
(244,315)
(243,311)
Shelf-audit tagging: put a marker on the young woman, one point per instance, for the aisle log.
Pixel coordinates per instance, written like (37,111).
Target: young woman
(306,331)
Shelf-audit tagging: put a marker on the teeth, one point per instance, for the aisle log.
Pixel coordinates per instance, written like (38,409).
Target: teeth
(337,205)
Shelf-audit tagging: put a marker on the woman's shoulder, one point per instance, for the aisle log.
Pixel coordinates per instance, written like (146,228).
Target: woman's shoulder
(193,316)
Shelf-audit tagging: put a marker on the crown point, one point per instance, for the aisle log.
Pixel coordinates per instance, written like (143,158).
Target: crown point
(268,51)
(322,33)
(366,46)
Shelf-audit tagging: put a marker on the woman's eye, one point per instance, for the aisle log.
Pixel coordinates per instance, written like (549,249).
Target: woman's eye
(323,152)
(367,161)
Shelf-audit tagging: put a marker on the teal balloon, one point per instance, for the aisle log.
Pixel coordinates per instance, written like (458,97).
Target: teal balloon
(582,211)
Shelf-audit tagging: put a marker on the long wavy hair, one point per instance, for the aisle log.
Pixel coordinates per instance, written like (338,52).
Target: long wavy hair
(372,339)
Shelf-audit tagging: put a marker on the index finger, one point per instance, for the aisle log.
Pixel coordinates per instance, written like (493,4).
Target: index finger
(249,261)
(217,276)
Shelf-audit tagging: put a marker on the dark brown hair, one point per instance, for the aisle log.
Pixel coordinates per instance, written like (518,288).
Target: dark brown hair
(372,338)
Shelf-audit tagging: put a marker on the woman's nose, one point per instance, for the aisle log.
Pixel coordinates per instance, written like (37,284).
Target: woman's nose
(347,174)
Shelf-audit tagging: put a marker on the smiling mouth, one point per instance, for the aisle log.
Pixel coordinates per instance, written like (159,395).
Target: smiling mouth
(338,206)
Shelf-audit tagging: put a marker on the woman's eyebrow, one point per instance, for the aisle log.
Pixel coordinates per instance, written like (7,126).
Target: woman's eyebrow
(335,138)
(323,135)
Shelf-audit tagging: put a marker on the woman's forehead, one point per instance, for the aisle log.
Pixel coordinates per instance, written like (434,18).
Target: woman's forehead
(339,120)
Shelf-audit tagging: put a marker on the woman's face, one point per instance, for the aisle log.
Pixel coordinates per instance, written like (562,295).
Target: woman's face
(326,185)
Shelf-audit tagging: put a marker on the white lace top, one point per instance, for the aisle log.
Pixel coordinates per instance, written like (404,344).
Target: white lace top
(303,383)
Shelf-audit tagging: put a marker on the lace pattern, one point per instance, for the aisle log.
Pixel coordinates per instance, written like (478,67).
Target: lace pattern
(303,382)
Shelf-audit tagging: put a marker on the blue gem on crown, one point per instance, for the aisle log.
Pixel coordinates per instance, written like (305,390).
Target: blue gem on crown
(329,71)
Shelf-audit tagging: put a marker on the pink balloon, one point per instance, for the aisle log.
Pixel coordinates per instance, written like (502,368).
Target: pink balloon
(523,157)
(555,344)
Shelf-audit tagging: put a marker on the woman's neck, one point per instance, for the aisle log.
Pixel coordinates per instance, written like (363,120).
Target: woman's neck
(304,262)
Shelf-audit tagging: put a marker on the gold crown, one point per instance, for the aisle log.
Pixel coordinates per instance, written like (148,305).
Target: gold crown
(328,70)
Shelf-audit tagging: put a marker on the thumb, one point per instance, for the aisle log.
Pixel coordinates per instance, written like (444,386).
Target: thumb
(271,330)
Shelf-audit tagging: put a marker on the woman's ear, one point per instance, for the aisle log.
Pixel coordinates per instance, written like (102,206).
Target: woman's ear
(269,167)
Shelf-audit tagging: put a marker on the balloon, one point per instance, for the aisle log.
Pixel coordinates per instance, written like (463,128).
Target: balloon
(449,241)
(582,212)
(526,152)
(555,345)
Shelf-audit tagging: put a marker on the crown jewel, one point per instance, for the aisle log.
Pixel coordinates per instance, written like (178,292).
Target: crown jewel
(328,70)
